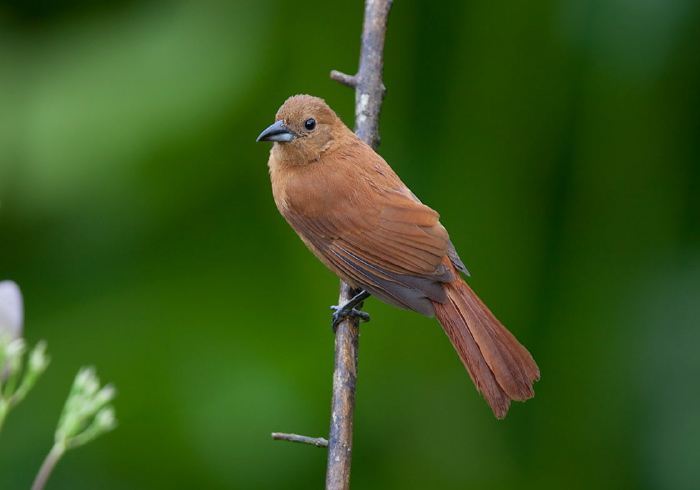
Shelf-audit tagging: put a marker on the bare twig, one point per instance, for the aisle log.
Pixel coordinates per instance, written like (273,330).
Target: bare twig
(314,441)
(343,404)
(347,80)
(368,85)
(369,95)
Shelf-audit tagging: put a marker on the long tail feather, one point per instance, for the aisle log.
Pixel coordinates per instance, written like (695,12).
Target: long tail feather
(500,367)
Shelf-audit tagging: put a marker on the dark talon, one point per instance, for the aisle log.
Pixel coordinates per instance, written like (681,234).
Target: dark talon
(347,310)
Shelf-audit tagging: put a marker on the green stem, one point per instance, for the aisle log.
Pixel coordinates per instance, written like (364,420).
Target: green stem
(48,465)
(4,407)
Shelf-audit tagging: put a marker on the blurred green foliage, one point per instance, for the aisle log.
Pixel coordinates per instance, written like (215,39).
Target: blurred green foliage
(559,140)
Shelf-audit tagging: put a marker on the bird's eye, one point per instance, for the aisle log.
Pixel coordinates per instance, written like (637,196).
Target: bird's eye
(310,124)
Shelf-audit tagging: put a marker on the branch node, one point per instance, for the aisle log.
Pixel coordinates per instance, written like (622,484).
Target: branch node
(347,80)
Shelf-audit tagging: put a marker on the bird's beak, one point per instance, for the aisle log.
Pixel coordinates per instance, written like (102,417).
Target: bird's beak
(277,132)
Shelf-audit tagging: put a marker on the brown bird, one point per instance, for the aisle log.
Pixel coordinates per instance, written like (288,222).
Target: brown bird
(354,213)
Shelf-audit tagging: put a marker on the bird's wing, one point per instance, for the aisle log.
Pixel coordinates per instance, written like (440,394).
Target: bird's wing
(377,234)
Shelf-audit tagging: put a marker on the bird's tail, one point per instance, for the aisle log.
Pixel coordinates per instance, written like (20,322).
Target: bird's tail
(500,367)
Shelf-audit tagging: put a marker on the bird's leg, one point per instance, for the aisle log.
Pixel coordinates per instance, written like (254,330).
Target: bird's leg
(341,312)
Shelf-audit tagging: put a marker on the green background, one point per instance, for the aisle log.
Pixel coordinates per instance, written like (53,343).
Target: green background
(559,140)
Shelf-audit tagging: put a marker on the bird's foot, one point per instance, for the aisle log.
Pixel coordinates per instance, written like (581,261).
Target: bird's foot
(347,310)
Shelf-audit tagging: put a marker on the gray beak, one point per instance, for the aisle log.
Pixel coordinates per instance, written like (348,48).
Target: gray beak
(277,132)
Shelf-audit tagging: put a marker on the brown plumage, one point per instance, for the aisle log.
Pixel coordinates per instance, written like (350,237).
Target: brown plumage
(363,223)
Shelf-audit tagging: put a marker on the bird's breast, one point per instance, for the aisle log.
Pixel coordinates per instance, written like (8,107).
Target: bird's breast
(316,189)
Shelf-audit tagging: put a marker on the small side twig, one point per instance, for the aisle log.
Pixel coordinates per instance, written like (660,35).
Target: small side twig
(314,441)
(347,80)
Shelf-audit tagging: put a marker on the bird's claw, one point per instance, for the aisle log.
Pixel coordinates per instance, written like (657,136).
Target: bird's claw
(347,310)
(341,313)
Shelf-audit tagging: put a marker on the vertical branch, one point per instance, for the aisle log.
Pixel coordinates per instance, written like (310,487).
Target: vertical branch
(343,403)
(368,85)
(369,95)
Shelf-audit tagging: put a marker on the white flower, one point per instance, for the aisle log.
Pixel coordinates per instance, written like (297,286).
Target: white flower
(11,310)
(38,360)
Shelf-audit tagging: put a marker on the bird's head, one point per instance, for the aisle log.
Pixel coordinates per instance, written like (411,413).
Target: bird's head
(304,128)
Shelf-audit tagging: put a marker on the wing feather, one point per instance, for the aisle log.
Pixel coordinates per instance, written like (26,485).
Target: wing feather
(376,234)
